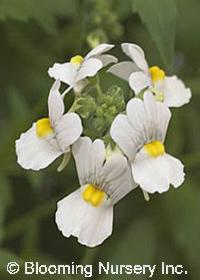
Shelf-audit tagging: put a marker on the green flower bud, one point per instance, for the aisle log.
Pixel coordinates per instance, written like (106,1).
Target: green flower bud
(85,106)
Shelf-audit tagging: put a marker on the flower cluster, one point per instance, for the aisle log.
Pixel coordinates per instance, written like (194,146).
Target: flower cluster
(116,140)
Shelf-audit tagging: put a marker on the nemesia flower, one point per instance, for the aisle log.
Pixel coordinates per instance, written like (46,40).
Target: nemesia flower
(169,90)
(48,138)
(73,73)
(87,213)
(140,134)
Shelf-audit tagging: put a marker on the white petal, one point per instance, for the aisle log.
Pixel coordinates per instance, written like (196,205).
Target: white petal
(156,174)
(146,121)
(102,48)
(89,158)
(121,133)
(35,153)
(55,103)
(177,174)
(82,162)
(123,69)
(175,92)
(138,81)
(65,72)
(107,59)
(97,158)
(91,225)
(137,116)
(68,130)
(118,178)
(158,116)
(137,55)
(89,68)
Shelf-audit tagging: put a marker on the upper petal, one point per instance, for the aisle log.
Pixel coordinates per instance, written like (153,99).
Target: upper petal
(121,133)
(146,121)
(123,69)
(68,129)
(158,115)
(55,103)
(89,158)
(91,225)
(117,176)
(88,68)
(65,72)
(102,48)
(35,153)
(175,92)
(106,59)
(137,55)
(138,81)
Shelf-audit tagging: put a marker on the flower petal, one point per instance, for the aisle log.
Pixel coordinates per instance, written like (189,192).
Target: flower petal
(156,174)
(102,48)
(137,55)
(158,115)
(35,153)
(121,133)
(138,81)
(88,68)
(123,69)
(89,158)
(175,92)
(177,175)
(118,178)
(55,103)
(91,225)
(65,72)
(68,130)
(107,59)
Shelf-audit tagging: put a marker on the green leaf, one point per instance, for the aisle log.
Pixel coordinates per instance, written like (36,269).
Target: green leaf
(159,16)
(44,12)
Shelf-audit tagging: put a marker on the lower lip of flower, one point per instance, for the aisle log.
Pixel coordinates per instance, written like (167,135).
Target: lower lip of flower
(93,195)
(155,149)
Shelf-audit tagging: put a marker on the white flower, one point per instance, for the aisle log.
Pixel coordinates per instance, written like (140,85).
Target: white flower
(169,90)
(48,138)
(87,213)
(74,72)
(140,134)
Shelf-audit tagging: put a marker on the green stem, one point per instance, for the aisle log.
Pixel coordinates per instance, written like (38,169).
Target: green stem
(65,161)
(72,109)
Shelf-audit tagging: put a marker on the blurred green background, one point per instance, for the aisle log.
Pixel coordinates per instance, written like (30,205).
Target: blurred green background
(34,35)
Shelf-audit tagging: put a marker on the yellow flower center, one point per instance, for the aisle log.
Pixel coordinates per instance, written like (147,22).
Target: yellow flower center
(93,195)
(155,148)
(77,59)
(43,127)
(157,74)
